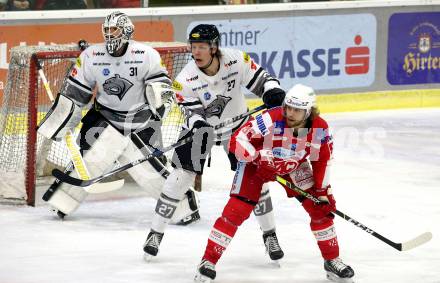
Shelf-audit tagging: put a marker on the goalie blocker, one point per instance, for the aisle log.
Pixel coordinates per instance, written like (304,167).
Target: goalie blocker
(101,146)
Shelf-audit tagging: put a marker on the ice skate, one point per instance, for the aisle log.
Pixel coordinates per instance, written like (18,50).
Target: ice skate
(338,271)
(192,218)
(273,247)
(205,272)
(151,246)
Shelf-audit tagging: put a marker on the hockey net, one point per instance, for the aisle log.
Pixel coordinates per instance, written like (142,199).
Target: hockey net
(25,156)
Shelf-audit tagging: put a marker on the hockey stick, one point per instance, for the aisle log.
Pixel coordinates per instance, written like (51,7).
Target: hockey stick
(75,155)
(408,245)
(84,183)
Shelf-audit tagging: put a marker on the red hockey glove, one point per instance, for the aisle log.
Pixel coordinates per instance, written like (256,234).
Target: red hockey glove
(324,209)
(265,166)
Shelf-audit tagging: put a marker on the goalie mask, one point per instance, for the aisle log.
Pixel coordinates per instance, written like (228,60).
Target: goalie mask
(117,30)
(301,97)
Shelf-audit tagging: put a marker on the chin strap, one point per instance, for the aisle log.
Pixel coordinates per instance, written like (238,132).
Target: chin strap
(207,65)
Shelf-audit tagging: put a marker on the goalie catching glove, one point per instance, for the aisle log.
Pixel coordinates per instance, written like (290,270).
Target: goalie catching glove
(160,97)
(64,115)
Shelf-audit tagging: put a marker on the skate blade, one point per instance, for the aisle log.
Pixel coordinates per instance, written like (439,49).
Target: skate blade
(148,257)
(202,279)
(333,277)
(275,263)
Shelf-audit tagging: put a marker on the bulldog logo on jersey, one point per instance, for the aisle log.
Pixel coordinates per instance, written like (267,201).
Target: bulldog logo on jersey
(216,107)
(117,86)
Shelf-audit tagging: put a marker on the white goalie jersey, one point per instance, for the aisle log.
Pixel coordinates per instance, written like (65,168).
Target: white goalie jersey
(120,83)
(219,97)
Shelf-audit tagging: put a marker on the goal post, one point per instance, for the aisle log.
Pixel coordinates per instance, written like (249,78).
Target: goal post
(26,156)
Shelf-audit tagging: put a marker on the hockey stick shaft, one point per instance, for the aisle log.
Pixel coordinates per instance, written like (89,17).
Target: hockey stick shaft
(84,183)
(419,240)
(239,117)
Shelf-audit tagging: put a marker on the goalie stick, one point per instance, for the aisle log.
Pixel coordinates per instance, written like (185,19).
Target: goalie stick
(408,245)
(84,183)
(75,155)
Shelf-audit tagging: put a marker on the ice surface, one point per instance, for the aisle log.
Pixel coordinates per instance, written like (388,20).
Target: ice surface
(386,174)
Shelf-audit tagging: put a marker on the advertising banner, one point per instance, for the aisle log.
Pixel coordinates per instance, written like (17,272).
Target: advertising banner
(414,48)
(11,36)
(325,52)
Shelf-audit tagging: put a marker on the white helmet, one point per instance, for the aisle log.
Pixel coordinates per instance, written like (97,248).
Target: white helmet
(301,97)
(116,39)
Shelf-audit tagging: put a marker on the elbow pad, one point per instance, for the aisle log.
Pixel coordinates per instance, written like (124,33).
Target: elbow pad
(64,115)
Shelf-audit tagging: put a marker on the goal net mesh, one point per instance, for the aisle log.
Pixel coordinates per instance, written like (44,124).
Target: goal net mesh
(25,156)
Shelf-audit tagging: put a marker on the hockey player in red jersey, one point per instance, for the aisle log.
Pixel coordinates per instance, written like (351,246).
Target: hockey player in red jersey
(294,142)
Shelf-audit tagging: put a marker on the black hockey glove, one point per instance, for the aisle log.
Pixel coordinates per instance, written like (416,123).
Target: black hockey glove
(203,134)
(274,97)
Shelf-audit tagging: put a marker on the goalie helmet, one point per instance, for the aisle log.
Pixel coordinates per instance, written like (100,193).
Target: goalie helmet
(301,97)
(117,30)
(205,33)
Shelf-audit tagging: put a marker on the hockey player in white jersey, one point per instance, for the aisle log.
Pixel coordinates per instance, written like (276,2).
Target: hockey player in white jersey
(133,93)
(209,88)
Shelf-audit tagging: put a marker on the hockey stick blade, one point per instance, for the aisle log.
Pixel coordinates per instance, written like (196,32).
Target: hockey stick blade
(417,241)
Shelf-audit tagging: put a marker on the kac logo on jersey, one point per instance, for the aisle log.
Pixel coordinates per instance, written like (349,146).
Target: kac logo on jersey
(207,96)
(106,72)
(216,107)
(117,86)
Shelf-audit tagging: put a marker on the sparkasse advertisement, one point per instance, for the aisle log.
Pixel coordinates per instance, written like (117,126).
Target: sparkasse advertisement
(327,52)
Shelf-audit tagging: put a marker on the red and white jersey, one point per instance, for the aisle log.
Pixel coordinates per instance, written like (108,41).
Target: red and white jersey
(219,97)
(288,149)
(120,82)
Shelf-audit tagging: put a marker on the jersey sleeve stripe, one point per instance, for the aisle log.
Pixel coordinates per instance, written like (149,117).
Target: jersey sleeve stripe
(257,73)
(79,85)
(162,77)
(190,103)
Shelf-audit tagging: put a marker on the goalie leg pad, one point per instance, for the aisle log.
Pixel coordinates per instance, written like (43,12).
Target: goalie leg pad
(264,210)
(100,157)
(62,116)
(150,175)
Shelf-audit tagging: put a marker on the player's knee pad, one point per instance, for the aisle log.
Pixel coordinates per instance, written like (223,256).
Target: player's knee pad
(99,158)
(178,182)
(237,211)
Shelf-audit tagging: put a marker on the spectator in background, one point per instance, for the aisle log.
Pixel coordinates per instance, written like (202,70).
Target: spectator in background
(16,5)
(60,4)
(117,3)
(3,5)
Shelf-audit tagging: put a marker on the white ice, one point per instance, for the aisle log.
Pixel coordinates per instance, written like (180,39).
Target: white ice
(386,174)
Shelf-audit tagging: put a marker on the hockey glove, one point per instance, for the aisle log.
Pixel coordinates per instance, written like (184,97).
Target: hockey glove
(274,97)
(266,169)
(323,209)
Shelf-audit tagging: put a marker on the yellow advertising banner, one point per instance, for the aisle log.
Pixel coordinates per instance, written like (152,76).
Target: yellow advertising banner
(11,36)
